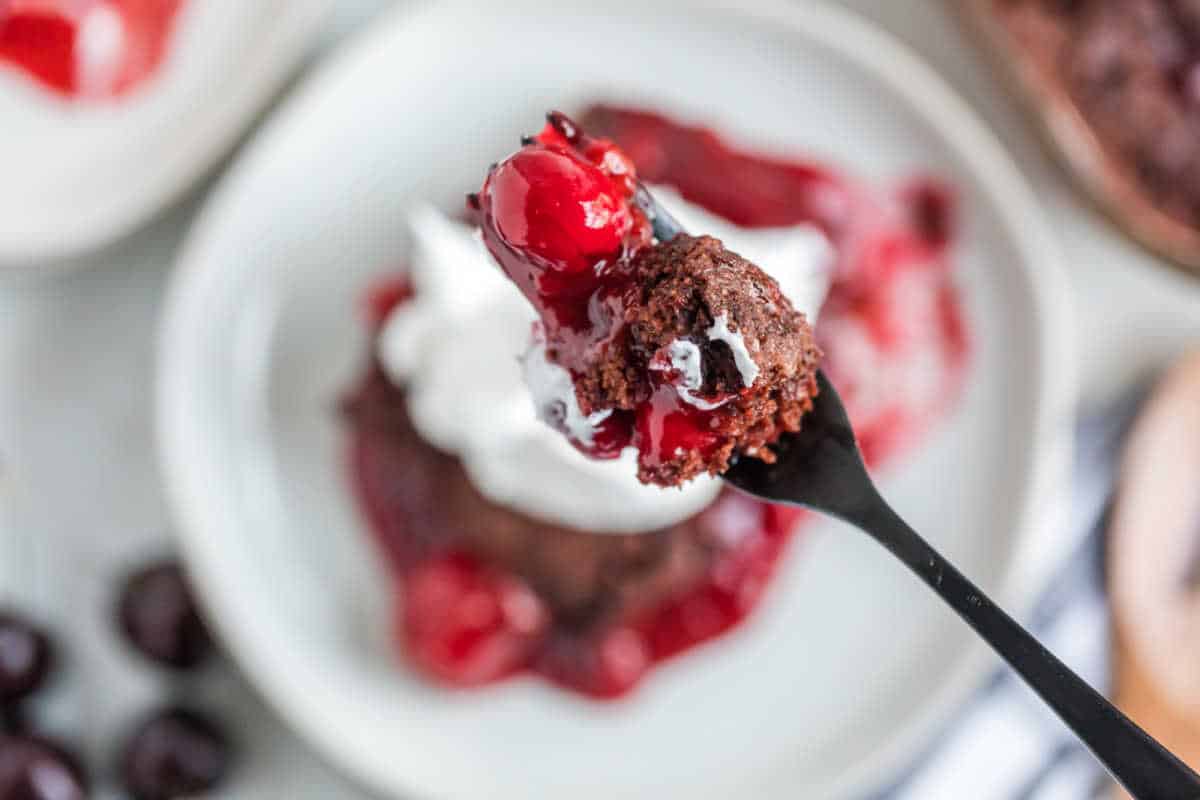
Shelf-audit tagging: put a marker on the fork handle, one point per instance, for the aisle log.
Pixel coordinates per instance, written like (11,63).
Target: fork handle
(1144,767)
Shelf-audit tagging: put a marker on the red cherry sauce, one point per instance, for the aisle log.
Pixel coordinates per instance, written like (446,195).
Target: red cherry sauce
(93,48)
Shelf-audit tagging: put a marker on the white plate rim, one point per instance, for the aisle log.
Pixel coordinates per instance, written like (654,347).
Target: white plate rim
(895,65)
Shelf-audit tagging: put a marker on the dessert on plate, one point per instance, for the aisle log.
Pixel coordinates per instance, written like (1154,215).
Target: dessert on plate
(86,48)
(516,552)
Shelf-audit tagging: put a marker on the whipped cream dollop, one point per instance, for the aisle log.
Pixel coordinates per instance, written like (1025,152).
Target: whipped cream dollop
(477,381)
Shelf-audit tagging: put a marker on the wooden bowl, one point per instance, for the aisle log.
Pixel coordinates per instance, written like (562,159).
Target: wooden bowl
(1105,180)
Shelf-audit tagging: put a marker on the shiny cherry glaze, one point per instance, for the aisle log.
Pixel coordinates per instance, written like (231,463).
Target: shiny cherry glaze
(97,48)
(665,424)
(559,217)
(892,310)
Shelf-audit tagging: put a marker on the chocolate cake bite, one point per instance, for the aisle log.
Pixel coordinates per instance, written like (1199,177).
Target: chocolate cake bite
(682,350)
(705,327)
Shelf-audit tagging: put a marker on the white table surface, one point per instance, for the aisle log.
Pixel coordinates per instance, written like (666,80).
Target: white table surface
(80,498)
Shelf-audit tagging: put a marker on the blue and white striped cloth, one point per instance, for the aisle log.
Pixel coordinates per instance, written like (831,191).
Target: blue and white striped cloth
(1004,744)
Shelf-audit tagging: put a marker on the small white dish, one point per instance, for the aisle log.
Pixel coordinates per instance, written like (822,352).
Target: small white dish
(850,662)
(78,175)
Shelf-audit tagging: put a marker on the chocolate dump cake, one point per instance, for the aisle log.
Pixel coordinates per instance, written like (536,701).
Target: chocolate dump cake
(1132,68)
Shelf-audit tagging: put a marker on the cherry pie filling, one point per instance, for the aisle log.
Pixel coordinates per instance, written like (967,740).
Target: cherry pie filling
(95,48)
(471,612)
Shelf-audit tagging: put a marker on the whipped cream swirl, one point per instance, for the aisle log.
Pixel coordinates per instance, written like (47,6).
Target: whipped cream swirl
(477,386)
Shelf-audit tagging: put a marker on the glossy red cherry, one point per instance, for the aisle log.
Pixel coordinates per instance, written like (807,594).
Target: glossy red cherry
(175,753)
(468,625)
(551,203)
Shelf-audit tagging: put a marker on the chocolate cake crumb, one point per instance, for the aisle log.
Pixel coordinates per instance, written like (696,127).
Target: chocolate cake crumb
(713,328)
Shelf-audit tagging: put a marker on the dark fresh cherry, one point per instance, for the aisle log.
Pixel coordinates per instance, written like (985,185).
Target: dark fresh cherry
(25,656)
(175,753)
(466,624)
(33,768)
(159,617)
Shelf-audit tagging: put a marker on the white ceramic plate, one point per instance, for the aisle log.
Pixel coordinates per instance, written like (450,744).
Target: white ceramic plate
(850,661)
(79,174)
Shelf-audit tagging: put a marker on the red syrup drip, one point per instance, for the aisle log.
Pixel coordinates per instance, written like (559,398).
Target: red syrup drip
(44,40)
(666,424)
(888,248)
